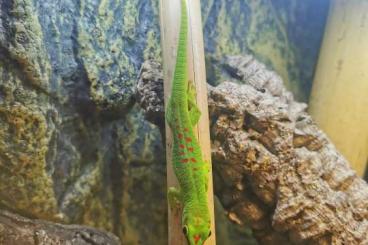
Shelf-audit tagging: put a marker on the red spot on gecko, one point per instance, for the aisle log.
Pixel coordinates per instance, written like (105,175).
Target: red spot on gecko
(188,139)
(180,136)
(190,149)
(181,146)
(186,130)
(196,238)
(184,160)
(193,159)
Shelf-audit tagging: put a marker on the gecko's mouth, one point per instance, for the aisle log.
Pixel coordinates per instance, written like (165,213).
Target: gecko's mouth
(196,238)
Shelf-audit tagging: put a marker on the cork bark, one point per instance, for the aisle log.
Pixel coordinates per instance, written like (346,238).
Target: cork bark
(274,169)
(17,230)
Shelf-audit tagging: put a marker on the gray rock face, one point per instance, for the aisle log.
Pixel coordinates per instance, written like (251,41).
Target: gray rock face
(74,147)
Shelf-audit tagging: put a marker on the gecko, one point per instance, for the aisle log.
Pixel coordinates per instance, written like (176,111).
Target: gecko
(182,114)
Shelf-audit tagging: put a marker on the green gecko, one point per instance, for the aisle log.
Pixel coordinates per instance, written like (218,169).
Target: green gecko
(182,114)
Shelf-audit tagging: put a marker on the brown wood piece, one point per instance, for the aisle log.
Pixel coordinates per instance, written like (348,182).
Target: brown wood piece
(170,23)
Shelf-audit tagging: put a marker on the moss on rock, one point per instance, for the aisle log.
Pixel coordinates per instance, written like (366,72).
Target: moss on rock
(25,183)
(23,41)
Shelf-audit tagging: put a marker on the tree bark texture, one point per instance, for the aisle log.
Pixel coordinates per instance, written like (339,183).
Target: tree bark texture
(274,169)
(17,230)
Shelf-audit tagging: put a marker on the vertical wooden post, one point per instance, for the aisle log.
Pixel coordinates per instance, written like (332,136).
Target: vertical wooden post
(170,23)
(339,98)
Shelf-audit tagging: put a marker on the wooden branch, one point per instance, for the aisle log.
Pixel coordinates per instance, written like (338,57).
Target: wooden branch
(274,169)
(170,18)
(16,230)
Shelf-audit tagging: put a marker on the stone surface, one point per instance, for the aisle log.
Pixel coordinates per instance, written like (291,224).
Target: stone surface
(74,147)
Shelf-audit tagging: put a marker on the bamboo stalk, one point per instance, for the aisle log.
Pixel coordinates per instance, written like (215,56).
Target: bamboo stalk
(170,22)
(339,99)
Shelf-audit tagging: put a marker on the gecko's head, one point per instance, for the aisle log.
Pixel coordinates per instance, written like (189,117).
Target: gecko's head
(197,232)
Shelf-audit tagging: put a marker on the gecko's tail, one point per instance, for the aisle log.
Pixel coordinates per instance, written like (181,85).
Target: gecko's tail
(181,69)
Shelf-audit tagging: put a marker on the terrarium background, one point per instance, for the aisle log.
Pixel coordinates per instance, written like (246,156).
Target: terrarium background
(74,146)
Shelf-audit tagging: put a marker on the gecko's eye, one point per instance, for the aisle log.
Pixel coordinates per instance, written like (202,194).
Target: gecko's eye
(209,234)
(185,230)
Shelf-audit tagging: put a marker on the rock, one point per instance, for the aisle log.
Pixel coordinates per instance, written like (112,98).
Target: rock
(70,132)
